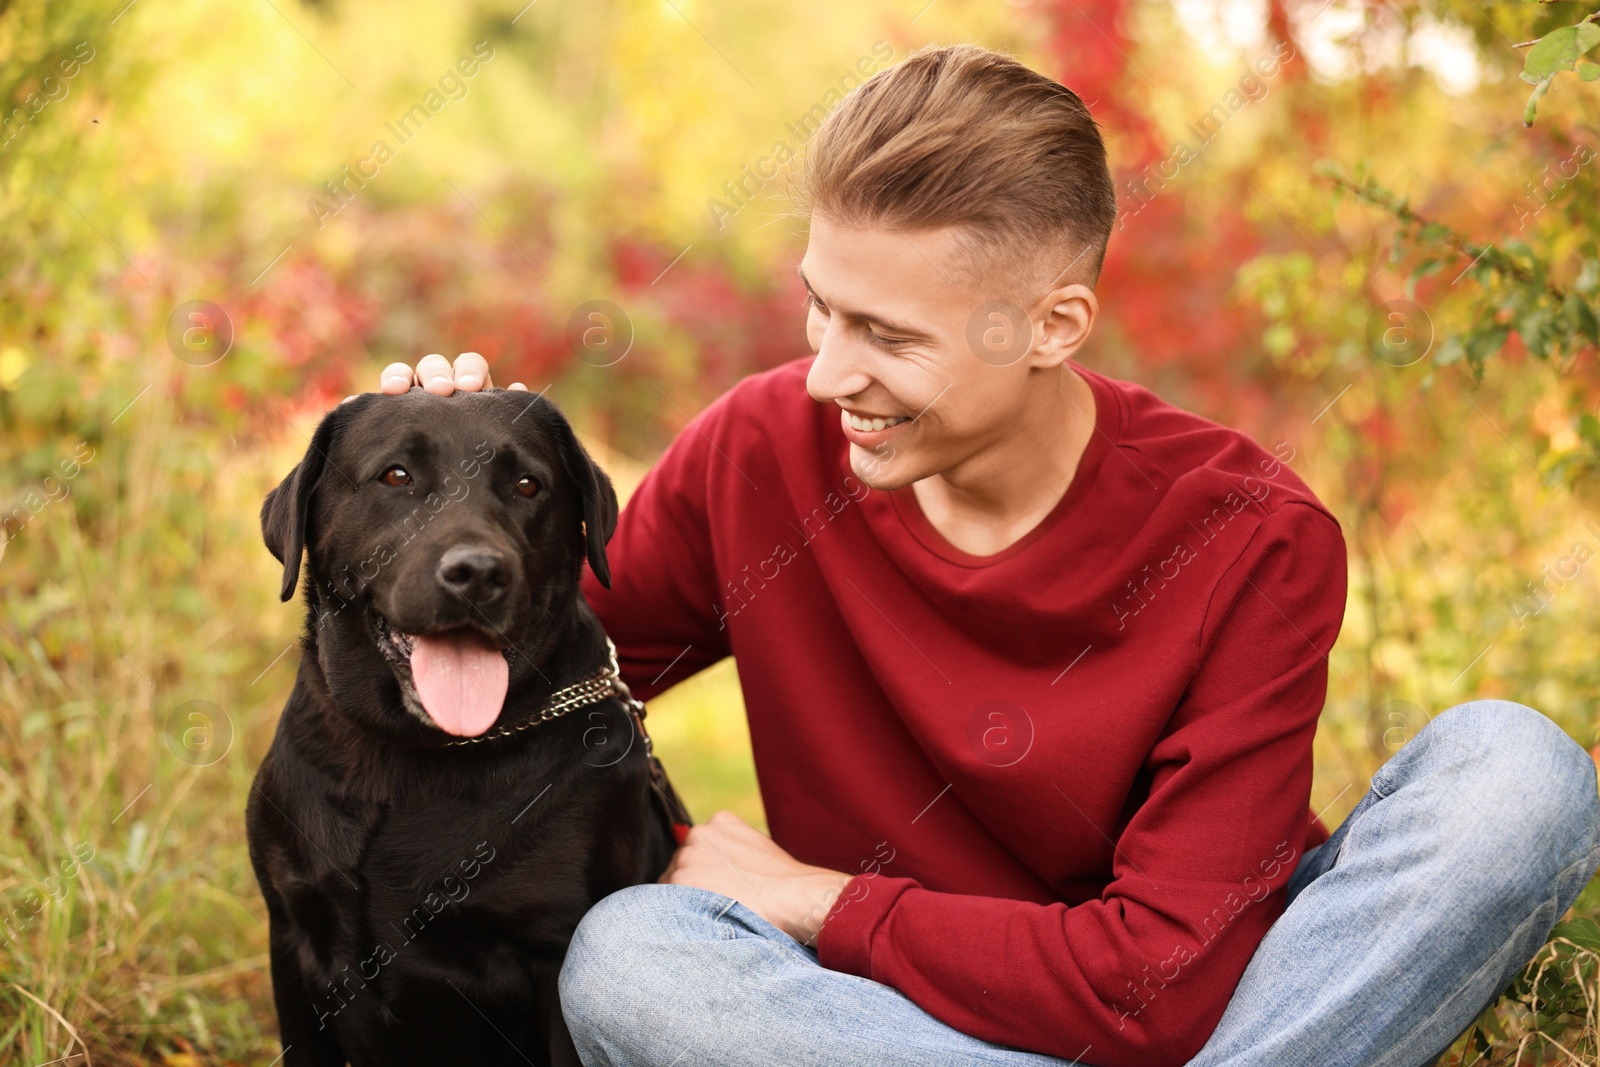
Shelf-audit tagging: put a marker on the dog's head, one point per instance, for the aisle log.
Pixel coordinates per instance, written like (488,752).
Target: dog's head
(445,538)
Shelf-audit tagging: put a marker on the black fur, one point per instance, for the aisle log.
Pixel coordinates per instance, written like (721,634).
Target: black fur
(421,897)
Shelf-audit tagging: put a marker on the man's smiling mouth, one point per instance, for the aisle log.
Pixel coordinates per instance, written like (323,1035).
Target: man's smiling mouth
(875,423)
(874,431)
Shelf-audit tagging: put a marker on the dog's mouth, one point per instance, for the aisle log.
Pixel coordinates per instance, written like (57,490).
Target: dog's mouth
(456,679)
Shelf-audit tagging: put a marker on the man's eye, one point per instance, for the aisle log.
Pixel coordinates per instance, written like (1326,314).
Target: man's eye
(527,486)
(811,301)
(397,477)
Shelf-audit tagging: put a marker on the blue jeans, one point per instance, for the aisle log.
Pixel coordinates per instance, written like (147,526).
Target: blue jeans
(1426,902)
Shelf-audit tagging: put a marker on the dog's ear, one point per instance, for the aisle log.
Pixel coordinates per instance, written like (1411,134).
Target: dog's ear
(287,509)
(596,493)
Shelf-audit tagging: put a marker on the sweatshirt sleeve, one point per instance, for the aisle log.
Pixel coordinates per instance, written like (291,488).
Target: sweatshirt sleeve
(660,610)
(1140,976)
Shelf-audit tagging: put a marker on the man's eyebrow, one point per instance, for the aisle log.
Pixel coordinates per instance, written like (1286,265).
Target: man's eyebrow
(886,325)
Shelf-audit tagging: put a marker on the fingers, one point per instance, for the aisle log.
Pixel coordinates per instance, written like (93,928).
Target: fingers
(435,374)
(396,378)
(472,372)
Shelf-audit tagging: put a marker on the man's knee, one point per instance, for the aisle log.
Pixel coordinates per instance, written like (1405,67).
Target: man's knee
(1519,777)
(622,952)
(606,941)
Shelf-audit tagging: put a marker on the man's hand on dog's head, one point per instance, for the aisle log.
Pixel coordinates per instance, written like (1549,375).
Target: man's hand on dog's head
(436,374)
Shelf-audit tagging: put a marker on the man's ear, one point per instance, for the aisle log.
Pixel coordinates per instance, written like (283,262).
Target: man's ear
(287,509)
(598,497)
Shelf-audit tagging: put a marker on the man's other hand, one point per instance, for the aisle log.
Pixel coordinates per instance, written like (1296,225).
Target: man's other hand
(727,855)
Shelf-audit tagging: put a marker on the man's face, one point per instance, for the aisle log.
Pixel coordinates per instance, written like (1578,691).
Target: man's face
(902,339)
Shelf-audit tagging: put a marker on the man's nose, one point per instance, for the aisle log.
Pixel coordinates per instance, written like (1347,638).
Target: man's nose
(476,574)
(837,371)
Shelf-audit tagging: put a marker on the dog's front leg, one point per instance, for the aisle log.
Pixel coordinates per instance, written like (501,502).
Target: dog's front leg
(308,1040)
(563,1053)
(558,1039)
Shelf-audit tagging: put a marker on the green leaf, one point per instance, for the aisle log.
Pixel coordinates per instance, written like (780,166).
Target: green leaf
(1534,329)
(1451,351)
(1533,101)
(1582,317)
(1581,932)
(1558,50)
(1486,343)
(1589,71)
(1427,267)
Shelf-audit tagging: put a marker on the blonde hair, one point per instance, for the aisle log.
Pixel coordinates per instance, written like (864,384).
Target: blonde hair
(961,135)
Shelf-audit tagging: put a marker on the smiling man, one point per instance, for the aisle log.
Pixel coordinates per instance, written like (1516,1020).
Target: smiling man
(1032,661)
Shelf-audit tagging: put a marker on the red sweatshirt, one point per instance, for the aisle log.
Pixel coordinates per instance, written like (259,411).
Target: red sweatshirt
(1071,778)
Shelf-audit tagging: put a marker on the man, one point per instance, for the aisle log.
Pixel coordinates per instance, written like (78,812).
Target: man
(1032,662)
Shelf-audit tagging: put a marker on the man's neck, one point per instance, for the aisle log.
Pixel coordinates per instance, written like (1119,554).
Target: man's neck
(992,500)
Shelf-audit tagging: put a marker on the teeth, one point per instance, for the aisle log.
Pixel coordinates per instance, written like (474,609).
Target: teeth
(866,425)
(395,640)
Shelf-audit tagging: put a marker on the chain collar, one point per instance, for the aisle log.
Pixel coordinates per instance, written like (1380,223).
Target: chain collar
(603,684)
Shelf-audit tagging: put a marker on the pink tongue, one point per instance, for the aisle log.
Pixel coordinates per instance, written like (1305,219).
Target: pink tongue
(461,679)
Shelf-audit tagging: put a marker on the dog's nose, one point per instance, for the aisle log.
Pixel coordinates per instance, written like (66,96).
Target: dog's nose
(477,575)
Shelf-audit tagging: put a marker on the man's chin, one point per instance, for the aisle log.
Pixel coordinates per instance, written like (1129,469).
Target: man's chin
(881,472)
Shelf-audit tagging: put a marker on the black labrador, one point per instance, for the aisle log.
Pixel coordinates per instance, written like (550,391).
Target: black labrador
(458,774)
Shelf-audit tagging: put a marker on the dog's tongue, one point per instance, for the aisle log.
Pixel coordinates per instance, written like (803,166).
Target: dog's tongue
(461,679)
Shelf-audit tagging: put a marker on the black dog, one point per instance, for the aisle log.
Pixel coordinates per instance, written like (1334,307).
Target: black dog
(457,776)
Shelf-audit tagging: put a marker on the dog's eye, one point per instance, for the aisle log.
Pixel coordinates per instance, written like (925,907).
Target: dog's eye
(527,486)
(397,477)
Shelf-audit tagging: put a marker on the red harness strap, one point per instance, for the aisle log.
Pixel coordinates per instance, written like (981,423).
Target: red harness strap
(680,830)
